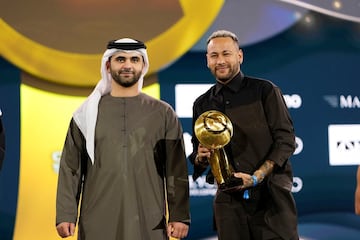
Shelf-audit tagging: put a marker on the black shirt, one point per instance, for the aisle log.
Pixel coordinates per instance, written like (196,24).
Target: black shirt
(262,125)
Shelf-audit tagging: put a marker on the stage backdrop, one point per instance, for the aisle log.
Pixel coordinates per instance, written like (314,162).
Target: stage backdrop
(313,58)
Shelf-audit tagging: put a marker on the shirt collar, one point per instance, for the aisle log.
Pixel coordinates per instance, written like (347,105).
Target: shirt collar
(234,85)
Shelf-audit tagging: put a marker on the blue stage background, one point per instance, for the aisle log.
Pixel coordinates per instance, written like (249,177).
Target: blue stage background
(10,107)
(315,67)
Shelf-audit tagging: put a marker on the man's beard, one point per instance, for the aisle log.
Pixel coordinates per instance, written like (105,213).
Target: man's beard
(224,78)
(125,82)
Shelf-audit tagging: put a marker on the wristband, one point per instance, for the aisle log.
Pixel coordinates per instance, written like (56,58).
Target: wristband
(261,177)
(255,180)
(246,194)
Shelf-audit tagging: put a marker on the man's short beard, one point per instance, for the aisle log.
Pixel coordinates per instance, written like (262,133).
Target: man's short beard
(222,79)
(119,80)
(126,83)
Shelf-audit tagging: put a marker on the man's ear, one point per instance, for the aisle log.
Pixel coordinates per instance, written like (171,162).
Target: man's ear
(108,65)
(241,56)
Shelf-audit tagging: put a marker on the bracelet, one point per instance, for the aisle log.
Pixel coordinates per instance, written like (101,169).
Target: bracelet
(246,194)
(261,177)
(255,180)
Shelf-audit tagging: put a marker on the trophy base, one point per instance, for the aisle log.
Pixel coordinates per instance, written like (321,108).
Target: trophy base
(231,184)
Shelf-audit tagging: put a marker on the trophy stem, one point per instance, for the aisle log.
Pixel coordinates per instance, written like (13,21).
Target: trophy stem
(220,167)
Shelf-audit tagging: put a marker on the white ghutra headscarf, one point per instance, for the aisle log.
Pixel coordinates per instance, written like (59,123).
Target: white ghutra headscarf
(86,115)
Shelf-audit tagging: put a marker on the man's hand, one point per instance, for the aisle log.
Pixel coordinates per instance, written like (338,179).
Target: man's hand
(203,154)
(248,181)
(243,178)
(252,180)
(177,230)
(65,229)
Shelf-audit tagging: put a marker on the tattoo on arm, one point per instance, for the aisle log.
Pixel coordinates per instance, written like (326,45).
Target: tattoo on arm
(265,169)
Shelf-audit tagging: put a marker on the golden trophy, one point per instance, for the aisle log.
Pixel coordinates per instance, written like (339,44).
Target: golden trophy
(214,130)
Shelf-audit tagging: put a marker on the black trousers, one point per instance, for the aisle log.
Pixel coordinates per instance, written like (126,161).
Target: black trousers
(237,218)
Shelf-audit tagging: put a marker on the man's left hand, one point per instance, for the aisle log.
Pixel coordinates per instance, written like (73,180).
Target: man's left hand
(177,229)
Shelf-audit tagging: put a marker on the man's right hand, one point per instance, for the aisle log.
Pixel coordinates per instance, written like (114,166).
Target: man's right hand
(203,154)
(65,229)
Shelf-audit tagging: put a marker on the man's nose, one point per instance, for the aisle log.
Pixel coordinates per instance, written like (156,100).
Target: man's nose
(220,60)
(127,64)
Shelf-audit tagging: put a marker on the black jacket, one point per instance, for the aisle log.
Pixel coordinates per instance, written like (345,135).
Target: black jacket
(263,130)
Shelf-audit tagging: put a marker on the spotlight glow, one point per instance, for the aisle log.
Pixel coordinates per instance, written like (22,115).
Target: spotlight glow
(337,4)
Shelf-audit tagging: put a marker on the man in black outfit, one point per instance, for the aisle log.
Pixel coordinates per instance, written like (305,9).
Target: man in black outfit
(259,150)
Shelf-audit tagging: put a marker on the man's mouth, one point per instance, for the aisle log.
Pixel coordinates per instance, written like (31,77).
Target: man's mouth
(221,69)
